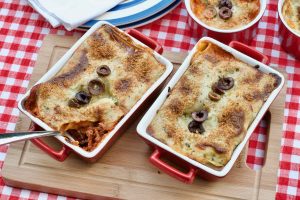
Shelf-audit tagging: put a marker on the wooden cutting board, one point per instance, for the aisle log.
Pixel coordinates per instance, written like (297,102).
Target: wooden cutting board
(124,171)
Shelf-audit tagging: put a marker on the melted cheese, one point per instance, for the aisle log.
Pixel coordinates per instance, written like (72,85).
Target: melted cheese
(228,119)
(133,70)
(291,14)
(243,12)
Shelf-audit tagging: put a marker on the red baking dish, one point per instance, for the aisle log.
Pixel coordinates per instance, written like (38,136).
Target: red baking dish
(244,34)
(289,39)
(160,150)
(104,145)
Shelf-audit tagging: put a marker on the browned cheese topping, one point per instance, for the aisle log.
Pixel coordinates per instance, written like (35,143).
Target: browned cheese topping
(226,14)
(291,14)
(208,112)
(97,86)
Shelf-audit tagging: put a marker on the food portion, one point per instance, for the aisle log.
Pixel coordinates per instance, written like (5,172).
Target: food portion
(207,113)
(291,14)
(226,14)
(97,86)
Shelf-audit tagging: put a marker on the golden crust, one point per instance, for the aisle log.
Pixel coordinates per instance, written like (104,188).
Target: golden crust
(291,14)
(133,70)
(243,12)
(228,119)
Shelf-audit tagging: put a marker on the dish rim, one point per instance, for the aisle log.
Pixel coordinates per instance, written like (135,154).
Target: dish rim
(242,28)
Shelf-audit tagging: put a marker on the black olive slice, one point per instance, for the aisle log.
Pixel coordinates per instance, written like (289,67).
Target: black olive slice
(96,87)
(225,83)
(196,127)
(103,70)
(82,98)
(213,96)
(200,116)
(225,13)
(73,103)
(210,12)
(225,3)
(217,90)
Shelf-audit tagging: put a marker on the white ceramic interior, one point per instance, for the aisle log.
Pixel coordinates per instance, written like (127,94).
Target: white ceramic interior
(263,5)
(57,67)
(280,4)
(148,117)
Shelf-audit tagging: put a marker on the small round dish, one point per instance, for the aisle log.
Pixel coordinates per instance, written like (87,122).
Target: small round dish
(244,34)
(288,37)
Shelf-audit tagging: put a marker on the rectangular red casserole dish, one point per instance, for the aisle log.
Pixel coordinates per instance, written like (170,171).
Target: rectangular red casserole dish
(249,56)
(122,124)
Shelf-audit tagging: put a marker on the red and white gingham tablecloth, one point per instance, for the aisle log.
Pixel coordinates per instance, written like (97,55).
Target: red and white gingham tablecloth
(21,35)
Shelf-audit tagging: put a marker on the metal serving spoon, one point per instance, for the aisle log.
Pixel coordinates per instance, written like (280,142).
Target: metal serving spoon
(6,138)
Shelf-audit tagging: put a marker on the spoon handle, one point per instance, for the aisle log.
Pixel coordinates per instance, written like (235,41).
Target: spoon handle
(6,138)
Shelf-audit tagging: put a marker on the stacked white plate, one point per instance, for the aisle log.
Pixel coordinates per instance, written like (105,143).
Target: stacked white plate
(134,13)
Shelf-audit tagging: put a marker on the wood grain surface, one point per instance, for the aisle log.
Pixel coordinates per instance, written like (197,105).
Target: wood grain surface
(124,171)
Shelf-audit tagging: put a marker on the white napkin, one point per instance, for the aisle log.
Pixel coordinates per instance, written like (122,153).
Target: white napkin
(71,13)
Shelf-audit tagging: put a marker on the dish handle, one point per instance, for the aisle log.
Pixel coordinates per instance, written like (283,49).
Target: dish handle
(184,177)
(59,155)
(250,51)
(144,39)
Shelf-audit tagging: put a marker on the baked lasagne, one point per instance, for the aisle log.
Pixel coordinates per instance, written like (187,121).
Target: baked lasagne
(98,85)
(207,113)
(291,14)
(226,14)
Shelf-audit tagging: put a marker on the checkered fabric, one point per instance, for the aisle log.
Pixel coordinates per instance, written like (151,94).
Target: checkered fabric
(21,35)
